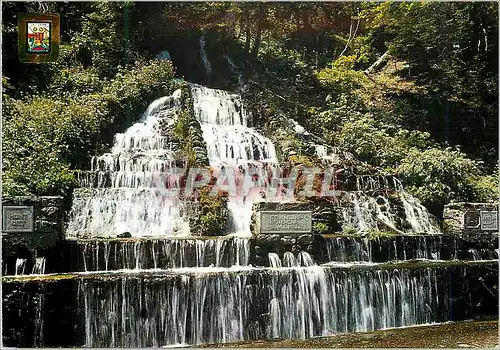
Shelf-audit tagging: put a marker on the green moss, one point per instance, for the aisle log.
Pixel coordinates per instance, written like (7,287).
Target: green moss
(350,230)
(375,234)
(213,214)
(320,228)
(187,131)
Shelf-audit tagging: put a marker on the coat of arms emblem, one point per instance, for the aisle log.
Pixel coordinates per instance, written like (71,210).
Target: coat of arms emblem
(38,37)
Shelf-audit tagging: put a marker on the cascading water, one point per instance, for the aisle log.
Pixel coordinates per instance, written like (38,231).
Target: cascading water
(134,202)
(365,212)
(204,58)
(185,290)
(219,306)
(164,254)
(120,193)
(232,144)
(20,266)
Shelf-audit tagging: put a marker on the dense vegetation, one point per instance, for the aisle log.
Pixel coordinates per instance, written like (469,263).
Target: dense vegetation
(411,88)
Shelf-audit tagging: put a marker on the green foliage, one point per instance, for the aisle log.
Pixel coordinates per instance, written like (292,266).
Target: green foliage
(187,130)
(133,89)
(320,228)
(341,77)
(349,230)
(298,60)
(485,188)
(104,41)
(377,235)
(438,176)
(43,138)
(214,215)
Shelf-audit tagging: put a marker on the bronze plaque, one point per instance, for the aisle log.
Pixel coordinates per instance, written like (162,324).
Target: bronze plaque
(471,219)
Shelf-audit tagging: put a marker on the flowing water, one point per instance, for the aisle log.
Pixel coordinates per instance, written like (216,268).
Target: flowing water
(234,145)
(175,289)
(164,254)
(211,307)
(136,165)
(20,266)
(121,192)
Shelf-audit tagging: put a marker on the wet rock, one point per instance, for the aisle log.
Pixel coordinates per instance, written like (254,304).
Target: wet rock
(125,235)
(287,240)
(46,226)
(305,240)
(50,211)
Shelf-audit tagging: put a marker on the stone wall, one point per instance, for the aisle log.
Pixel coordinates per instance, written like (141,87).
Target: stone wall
(41,227)
(322,212)
(474,221)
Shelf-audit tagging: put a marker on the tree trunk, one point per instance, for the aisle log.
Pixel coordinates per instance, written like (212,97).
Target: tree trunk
(246,16)
(258,35)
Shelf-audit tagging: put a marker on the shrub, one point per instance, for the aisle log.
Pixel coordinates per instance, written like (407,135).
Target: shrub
(377,235)
(485,188)
(320,228)
(44,137)
(213,214)
(437,176)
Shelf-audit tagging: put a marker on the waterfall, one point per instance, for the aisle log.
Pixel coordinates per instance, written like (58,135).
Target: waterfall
(232,144)
(121,192)
(204,58)
(274,260)
(20,266)
(364,212)
(399,248)
(39,266)
(222,306)
(237,71)
(131,201)
(164,254)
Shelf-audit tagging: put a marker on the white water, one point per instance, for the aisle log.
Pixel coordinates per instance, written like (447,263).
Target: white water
(223,305)
(38,266)
(363,212)
(121,192)
(20,266)
(232,143)
(135,167)
(164,254)
(204,58)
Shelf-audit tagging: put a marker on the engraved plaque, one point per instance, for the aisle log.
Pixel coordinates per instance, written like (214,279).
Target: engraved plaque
(489,220)
(17,219)
(471,219)
(285,222)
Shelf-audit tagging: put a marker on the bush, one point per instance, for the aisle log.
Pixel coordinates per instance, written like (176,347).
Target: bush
(213,214)
(320,228)
(485,188)
(43,138)
(438,176)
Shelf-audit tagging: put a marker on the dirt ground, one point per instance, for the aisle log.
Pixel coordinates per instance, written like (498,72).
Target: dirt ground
(471,334)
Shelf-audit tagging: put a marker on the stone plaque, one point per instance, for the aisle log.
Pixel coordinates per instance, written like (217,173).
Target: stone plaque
(17,219)
(471,219)
(489,220)
(285,222)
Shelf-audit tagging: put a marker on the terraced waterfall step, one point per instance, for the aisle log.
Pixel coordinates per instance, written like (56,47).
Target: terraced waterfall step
(227,251)
(206,305)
